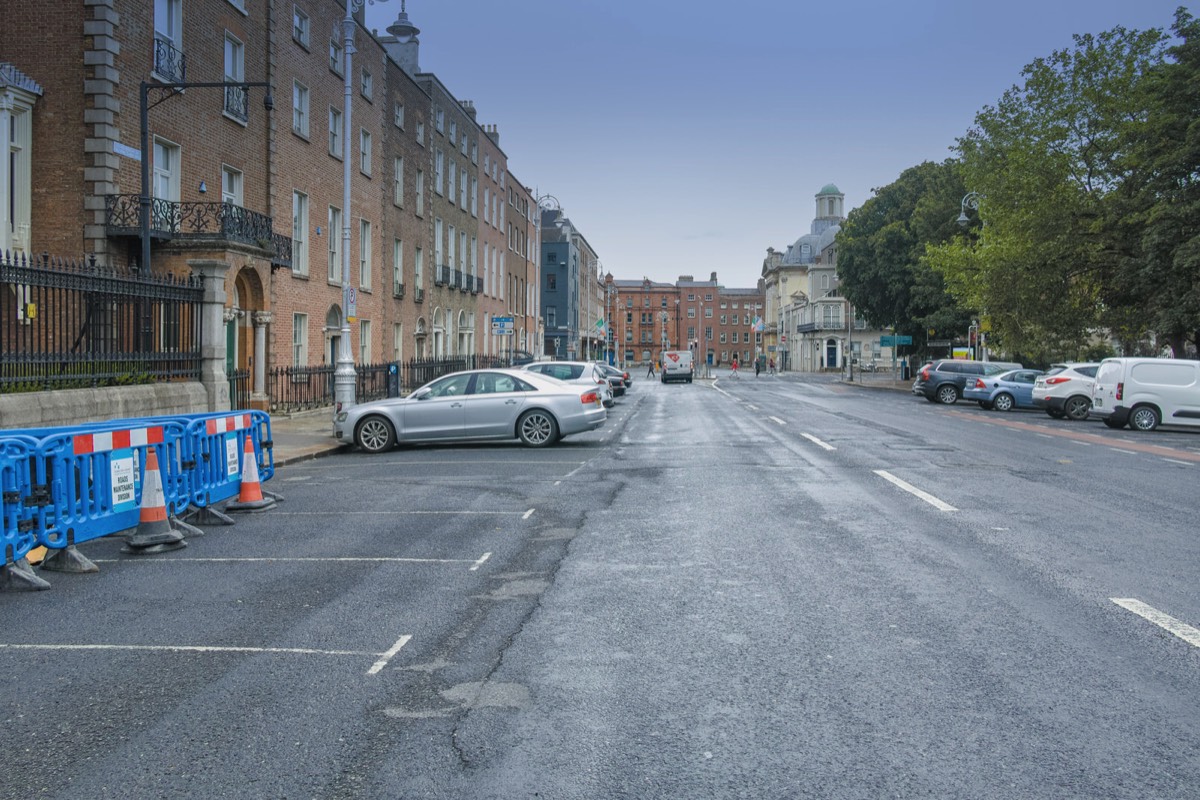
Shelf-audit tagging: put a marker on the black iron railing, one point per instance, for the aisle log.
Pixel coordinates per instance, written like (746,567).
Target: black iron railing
(77,325)
(193,220)
(169,62)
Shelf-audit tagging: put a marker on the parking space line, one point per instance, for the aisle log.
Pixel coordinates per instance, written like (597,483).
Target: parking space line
(1164,621)
(818,442)
(389,513)
(268,559)
(189,648)
(386,657)
(908,487)
(527,514)
(479,561)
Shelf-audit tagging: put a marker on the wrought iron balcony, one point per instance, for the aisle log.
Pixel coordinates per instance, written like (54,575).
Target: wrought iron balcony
(458,279)
(282,251)
(172,220)
(478,287)
(397,289)
(169,63)
(442,276)
(419,295)
(237,102)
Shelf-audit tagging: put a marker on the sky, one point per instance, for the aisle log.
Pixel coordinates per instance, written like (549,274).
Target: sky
(685,138)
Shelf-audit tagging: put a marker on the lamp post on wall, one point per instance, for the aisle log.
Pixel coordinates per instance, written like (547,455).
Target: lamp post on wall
(971,201)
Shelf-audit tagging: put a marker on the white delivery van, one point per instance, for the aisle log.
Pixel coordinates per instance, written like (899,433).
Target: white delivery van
(1146,392)
(676,365)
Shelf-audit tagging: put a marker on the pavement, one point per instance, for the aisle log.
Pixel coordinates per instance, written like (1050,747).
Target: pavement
(309,434)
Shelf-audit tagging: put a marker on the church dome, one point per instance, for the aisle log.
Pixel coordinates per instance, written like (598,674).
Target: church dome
(829,188)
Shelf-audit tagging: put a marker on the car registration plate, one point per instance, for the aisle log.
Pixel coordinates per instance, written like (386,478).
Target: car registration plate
(1098,402)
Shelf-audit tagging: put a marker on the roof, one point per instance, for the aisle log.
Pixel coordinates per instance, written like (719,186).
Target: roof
(829,188)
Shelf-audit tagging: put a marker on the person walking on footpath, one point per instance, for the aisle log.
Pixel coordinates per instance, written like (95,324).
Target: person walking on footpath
(757,366)
(733,373)
(650,372)
(771,367)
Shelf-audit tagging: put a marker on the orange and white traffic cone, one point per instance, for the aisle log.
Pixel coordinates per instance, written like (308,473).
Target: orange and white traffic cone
(250,493)
(154,533)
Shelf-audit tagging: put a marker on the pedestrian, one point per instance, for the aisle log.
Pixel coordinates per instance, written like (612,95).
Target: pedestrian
(733,373)
(650,372)
(757,366)
(772,367)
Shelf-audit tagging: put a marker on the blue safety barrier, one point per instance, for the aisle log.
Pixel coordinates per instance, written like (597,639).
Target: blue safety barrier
(17,526)
(72,484)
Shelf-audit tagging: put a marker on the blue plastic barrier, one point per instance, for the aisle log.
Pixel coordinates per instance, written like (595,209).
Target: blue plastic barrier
(94,478)
(17,535)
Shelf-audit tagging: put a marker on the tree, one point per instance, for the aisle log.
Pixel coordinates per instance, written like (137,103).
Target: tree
(1045,159)
(1159,211)
(881,246)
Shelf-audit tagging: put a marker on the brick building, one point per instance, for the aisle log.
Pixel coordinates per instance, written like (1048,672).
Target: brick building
(260,189)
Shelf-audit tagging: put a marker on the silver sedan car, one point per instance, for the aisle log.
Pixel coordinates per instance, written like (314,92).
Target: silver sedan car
(473,406)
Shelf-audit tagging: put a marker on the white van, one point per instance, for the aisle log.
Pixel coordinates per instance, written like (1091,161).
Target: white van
(1146,392)
(676,365)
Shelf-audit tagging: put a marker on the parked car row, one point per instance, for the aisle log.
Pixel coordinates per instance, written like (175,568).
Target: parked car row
(1142,393)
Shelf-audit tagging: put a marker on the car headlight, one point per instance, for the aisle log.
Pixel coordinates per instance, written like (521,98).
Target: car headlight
(341,417)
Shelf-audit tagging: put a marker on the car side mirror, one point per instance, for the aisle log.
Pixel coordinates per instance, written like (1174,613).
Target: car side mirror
(422,394)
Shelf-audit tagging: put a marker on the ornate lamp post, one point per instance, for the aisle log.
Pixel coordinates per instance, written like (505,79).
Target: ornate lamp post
(970,201)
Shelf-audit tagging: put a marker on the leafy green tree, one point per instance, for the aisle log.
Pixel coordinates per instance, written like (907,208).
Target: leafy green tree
(881,247)
(1045,159)
(1155,222)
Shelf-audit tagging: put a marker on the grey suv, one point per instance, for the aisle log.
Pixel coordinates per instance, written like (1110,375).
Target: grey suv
(943,381)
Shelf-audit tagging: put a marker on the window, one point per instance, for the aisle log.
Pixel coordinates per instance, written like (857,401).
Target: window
(398,115)
(551,317)
(708,312)
(300,27)
(364,254)
(364,341)
(364,151)
(300,98)
(453,244)
(397,266)
(451,182)
(439,171)
(474,197)
(438,262)
(487,196)
(334,235)
(335,133)
(474,152)
(722,319)
(398,181)
(462,189)
(398,341)
(421,132)
(691,313)
(418,268)
(231,186)
(235,71)
(299,340)
(420,189)
(335,56)
(453,132)
(166,172)
(439,120)
(723,337)
(168,39)
(240,5)
(299,233)
(366,83)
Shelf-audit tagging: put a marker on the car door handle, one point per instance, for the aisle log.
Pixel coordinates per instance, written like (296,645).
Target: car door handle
(456,404)
(510,402)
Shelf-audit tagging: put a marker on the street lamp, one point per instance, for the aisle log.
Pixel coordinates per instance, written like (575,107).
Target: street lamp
(343,374)
(970,201)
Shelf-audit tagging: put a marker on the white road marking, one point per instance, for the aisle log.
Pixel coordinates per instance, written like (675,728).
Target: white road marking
(1081,444)
(556,483)
(778,420)
(269,559)
(527,514)
(479,562)
(1185,463)
(751,407)
(1045,436)
(1126,452)
(1164,621)
(818,442)
(188,648)
(391,513)
(386,657)
(908,487)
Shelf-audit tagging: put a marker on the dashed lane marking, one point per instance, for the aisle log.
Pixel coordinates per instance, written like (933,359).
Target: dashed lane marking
(1164,621)
(908,487)
(818,442)
(777,420)
(271,559)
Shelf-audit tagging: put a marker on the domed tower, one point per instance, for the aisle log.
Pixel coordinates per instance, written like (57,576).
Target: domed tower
(830,209)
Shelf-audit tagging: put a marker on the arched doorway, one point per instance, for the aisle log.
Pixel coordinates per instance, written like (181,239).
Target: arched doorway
(831,354)
(439,338)
(333,334)
(421,334)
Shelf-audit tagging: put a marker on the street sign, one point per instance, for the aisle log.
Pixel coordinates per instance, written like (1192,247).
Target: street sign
(892,341)
(938,343)
(502,326)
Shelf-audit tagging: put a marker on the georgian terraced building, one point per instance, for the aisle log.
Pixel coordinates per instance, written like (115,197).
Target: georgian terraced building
(442,235)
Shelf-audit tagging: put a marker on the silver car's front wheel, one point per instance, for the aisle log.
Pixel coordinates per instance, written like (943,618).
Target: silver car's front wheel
(1003,402)
(537,429)
(375,435)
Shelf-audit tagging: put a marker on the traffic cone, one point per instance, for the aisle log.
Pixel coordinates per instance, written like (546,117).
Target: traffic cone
(250,494)
(154,533)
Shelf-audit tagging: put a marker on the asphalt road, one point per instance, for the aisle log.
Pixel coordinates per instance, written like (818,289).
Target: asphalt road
(759,588)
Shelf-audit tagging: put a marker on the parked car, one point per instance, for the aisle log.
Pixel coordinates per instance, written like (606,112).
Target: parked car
(1066,390)
(475,405)
(519,358)
(586,373)
(1003,392)
(618,379)
(1147,392)
(943,381)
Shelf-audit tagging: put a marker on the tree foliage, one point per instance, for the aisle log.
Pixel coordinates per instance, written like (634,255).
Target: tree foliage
(880,250)
(1045,159)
